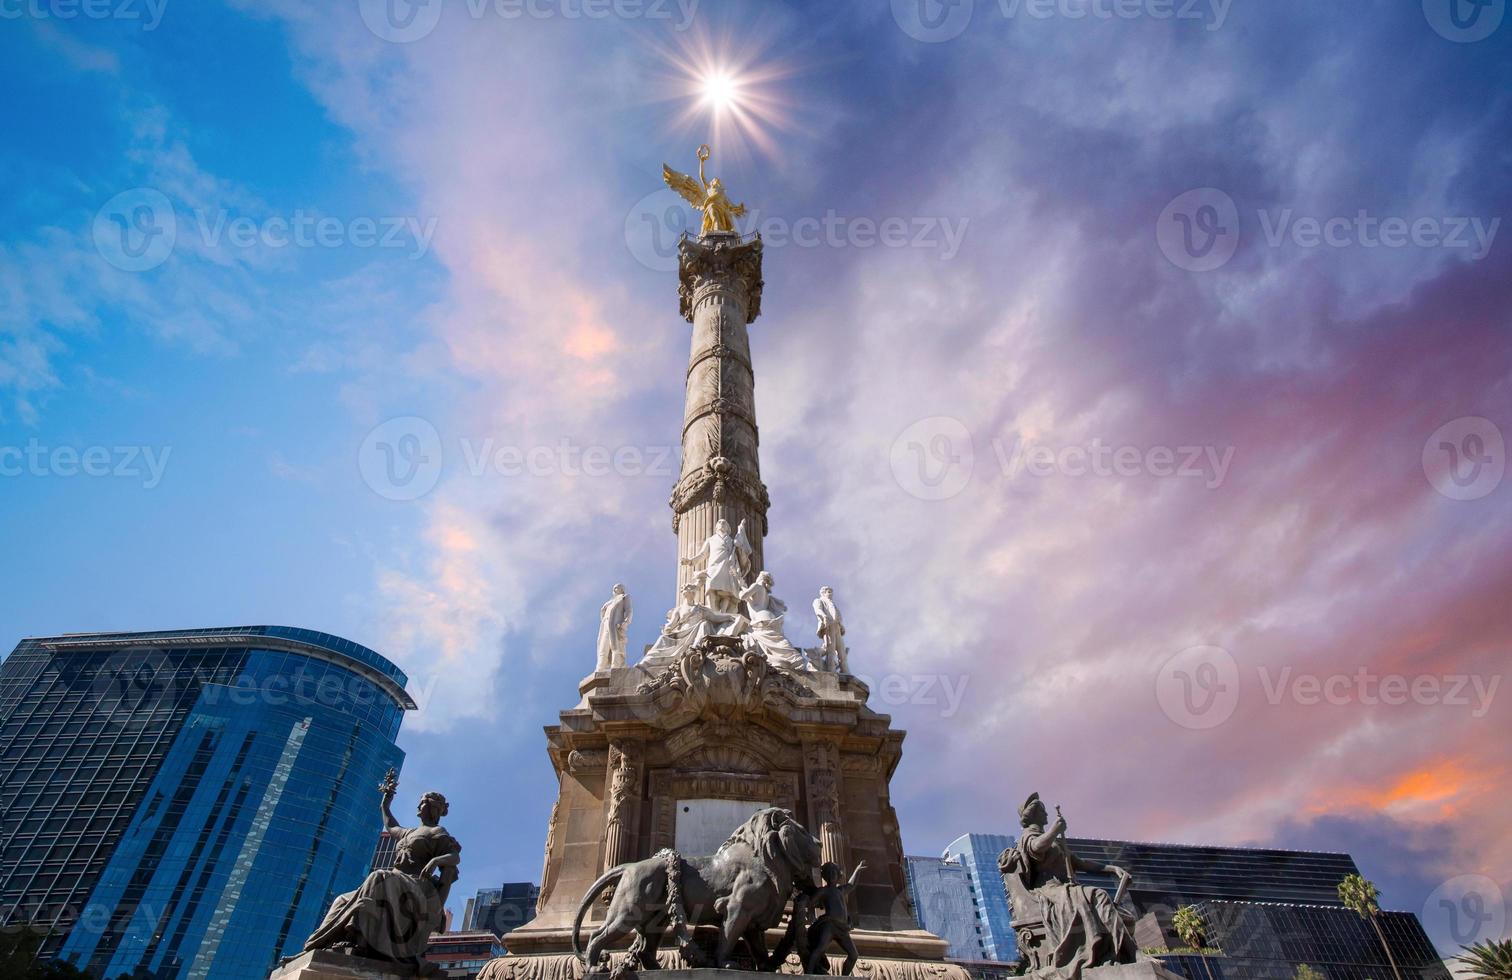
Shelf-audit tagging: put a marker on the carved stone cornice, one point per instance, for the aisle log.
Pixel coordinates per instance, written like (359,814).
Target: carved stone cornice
(718,478)
(719,262)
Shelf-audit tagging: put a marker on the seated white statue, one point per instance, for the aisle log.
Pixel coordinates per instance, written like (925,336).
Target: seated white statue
(764,633)
(689,623)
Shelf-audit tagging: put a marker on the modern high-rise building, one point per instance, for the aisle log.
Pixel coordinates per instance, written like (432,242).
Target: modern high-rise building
(978,855)
(462,955)
(501,909)
(1268,910)
(186,803)
(941,896)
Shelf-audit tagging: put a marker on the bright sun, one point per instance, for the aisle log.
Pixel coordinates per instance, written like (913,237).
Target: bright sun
(719,91)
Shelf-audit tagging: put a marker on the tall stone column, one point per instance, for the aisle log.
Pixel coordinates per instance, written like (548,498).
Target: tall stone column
(720,291)
(622,803)
(821,773)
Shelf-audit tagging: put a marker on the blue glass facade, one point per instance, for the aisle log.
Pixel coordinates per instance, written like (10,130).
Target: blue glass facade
(187,803)
(942,900)
(978,854)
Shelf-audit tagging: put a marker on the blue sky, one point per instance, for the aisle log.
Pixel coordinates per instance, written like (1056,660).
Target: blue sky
(492,272)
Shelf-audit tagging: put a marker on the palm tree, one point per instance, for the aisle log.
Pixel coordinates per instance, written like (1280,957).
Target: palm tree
(1490,960)
(1360,894)
(1188,925)
(1305,972)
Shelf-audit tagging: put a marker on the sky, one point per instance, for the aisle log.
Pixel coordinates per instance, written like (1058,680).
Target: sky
(1137,372)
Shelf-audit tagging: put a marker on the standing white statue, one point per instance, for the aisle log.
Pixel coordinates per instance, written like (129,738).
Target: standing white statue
(722,555)
(765,630)
(831,632)
(614,625)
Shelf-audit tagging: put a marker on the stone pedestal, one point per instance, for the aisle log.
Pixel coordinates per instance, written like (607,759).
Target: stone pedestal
(568,968)
(1145,969)
(326,964)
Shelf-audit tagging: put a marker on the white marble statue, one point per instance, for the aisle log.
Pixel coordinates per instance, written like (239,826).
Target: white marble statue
(614,626)
(764,631)
(722,555)
(831,632)
(690,622)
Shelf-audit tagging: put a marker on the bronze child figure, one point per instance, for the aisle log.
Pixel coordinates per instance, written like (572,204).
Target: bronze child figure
(832,919)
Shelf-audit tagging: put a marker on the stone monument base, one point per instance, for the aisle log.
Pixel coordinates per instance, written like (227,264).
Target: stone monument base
(565,966)
(329,964)
(1144,969)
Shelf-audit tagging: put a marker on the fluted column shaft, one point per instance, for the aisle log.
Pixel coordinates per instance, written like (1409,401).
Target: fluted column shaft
(720,289)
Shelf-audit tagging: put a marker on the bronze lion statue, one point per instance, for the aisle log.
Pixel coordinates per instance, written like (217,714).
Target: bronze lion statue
(742,888)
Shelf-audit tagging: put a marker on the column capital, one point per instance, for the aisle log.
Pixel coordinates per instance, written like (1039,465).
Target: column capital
(719,261)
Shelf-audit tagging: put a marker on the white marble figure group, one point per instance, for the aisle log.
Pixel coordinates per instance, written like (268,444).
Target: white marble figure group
(720,602)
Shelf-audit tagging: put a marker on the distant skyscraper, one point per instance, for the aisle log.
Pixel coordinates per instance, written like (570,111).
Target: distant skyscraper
(978,855)
(186,803)
(500,910)
(462,955)
(941,897)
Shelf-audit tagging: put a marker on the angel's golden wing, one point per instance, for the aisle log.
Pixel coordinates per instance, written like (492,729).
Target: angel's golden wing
(684,185)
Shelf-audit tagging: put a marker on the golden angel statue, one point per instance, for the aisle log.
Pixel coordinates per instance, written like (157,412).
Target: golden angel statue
(707,196)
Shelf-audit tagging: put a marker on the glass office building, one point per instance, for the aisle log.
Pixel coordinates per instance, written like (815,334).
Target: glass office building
(501,910)
(942,900)
(978,854)
(186,803)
